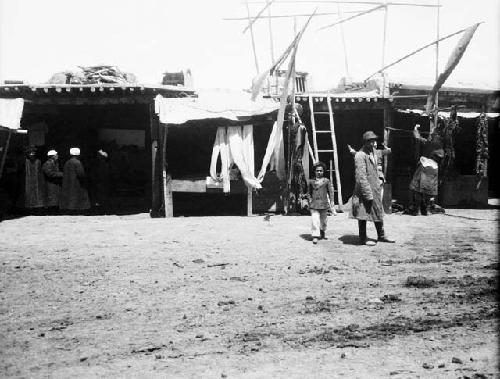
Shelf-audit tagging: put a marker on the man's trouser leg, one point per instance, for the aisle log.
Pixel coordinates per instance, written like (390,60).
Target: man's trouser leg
(362,231)
(381,237)
(323,218)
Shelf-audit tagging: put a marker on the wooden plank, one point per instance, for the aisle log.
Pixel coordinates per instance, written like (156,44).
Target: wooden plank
(313,125)
(189,185)
(167,180)
(169,202)
(335,154)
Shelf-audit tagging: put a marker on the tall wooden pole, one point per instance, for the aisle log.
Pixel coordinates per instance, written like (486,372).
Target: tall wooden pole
(253,40)
(271,39)
(437,68)
(346,60)
(271,44)
(384,39)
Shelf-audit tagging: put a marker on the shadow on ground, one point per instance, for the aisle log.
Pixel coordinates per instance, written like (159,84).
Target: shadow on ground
(349,239)
(306,237)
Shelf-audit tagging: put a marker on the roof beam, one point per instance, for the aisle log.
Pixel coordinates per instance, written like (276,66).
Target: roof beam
(288,15)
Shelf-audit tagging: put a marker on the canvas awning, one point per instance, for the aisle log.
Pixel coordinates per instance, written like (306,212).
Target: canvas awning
(447,114)
(11,111)
(225,104)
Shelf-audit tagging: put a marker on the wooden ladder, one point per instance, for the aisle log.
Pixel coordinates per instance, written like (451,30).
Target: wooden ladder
(327,153)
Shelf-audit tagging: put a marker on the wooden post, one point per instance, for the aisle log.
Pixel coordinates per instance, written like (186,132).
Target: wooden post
(387,159)
(249,201)
(167,180)
(388,124)
(4,155)
(335,153)
(332,200)
(156,200)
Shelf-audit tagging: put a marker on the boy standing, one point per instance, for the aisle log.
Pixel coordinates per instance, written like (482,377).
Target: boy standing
(321,200)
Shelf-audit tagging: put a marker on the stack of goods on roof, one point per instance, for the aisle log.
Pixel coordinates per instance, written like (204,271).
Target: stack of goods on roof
(94,75)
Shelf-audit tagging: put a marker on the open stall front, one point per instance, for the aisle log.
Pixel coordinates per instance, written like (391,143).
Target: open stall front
(197,140)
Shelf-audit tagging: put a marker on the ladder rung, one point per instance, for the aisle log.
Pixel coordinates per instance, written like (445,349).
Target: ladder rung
(321,112)
(325,151)
(323,131)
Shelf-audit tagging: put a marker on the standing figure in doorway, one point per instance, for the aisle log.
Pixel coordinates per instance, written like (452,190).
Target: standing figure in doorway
(74,194)
(101,179)
(367,197)
(33,199)
(53,181)
(424,184)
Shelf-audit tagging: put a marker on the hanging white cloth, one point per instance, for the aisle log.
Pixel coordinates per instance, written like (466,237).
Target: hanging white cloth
(221,148)
(239,155)
(275,154)
(11,111)
(234,145)
(248,150)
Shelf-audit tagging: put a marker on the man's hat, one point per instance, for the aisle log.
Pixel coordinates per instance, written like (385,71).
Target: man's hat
(74,151)
(369,135)
(51,153)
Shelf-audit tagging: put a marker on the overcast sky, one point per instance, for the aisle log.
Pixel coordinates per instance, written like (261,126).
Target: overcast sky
(149,37)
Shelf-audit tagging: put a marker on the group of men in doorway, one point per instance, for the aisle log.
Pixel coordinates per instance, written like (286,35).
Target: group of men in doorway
(48,190)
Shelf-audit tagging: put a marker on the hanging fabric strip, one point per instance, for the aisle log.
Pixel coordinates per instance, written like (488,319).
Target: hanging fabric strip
(221,148)
(305,157)
(275,154)
(248,150)
(235,139)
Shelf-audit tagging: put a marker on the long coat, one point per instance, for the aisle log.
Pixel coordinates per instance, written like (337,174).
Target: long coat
(74,193)
(368,187)
(34,186)
(53,180)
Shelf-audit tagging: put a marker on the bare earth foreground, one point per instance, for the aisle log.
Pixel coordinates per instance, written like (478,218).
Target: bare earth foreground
(248,297)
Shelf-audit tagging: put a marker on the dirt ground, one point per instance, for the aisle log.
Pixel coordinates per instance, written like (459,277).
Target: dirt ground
(248,297)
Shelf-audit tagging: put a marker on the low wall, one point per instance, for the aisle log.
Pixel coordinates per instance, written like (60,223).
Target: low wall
(464,191)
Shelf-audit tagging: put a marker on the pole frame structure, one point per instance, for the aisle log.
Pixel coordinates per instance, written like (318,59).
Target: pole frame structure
(253,39)
(384,43)
(437,70)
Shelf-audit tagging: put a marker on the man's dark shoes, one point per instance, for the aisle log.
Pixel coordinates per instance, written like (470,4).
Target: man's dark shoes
(322,235)
(385,239)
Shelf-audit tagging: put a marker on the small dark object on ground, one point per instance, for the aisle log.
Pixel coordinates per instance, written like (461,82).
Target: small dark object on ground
(419,282)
